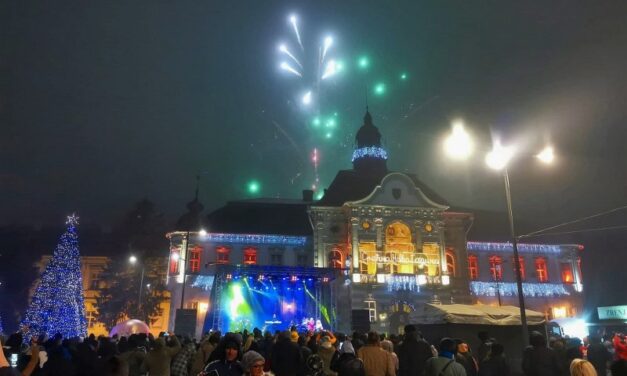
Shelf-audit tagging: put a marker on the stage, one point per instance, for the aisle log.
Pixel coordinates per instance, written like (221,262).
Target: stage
(271,298)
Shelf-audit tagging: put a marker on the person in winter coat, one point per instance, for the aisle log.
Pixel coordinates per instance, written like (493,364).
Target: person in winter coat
(620,345)
(412,353)
(377,362)
(495,364)
(538,359)
(286,356)
(202,355)
(465,358)
(134,355)
(252,363)
(327,351)
(157,361)
(182,362)
(227,353)
(598,355)
(444,364)
(347,364)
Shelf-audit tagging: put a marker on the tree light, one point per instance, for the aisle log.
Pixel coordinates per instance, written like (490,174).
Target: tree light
(459,144)
(546,155)
(499,157)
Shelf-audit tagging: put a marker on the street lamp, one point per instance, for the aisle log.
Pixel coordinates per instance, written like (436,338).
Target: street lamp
(133,260)
(498,159)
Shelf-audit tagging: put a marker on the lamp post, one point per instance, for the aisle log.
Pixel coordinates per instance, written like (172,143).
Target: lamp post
(459,146)
(133,260)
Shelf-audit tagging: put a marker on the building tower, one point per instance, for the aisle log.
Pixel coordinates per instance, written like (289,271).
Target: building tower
(369,158)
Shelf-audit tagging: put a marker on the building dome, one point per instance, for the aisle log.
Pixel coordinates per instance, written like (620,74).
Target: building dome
(369,157)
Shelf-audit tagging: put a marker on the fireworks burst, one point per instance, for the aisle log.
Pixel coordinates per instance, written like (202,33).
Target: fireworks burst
(311,73)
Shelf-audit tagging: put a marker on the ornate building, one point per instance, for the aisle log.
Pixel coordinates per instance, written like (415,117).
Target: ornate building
(393,242)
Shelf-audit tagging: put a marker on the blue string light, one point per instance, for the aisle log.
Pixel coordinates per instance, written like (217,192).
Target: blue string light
(370,151)
(507,247)
(57,305)
(533,290)
(256,239)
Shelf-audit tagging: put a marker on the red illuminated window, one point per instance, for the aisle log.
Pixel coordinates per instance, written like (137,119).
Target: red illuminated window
(541,270)
(194,259)
(222,255)
(250,256)
(567,273)
(174,261)
(496,268)
(450,262)
(473,267)
(521,260)
(335,259)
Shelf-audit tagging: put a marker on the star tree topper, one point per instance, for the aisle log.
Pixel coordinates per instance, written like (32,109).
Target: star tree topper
(72,220)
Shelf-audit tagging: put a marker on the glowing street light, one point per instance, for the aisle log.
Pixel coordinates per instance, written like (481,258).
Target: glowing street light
(132,260)
(499,156)
(458,145)
(202,232)
(547,155)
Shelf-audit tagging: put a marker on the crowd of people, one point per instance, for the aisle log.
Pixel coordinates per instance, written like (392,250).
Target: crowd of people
(322,353)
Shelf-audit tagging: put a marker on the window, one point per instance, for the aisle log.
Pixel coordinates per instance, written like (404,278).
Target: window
(496,268)
(194,260)
(174,261)
(335,259)
(521,260)
(541,271)
(473,267)
(567,273)
(450,262)
(250,256)
(94,283)
(222,255)
(276,259)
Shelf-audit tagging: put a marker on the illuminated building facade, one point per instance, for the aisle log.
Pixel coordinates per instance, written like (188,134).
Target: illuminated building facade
(392,242)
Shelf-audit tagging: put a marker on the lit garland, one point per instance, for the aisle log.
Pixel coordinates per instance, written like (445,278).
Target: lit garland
(507,247)
(370,151)
(255,239)
(534,290)
(57,305)
(402,282)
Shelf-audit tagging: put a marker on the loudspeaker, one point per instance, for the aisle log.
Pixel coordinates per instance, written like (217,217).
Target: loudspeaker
(361,320)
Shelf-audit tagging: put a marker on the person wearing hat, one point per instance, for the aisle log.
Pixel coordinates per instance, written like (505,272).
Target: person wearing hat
(228,353)
(326,353)
(252,363)
(444,364)
(348,364)
(286,358)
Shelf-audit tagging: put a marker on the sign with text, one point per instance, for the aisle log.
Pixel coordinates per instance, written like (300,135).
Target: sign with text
(613,312)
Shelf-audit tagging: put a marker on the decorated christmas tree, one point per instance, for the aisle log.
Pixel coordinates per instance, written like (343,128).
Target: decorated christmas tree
(57,305)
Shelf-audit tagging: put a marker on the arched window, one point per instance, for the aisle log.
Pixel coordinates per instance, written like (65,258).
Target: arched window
(250,256)
(336,261)
(567,273)
(450,262)
(521,260)
(222,255)
(496,268)
(541,270)
(174,261)
(473,267)
(194,259)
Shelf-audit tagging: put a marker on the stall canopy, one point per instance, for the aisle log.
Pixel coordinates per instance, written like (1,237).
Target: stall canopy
(475,315)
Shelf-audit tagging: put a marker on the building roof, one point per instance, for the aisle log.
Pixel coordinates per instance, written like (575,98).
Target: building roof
(350,185)
(262,216)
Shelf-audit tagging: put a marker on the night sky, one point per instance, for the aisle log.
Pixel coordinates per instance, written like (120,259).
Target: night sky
(105,103)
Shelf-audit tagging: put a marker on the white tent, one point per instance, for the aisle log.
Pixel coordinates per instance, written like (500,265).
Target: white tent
(474,315)
(126,328)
